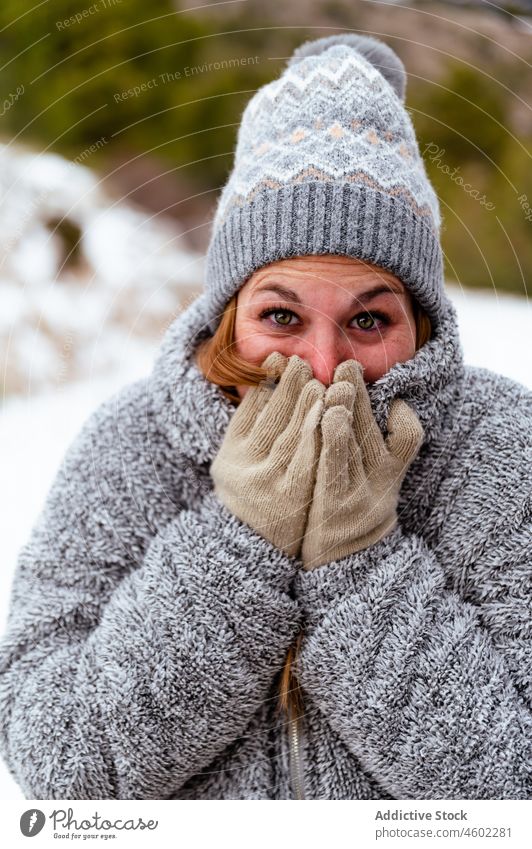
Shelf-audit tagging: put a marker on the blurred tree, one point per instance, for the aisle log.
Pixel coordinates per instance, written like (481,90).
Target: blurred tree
(79,79)
(479,168)
(471,109)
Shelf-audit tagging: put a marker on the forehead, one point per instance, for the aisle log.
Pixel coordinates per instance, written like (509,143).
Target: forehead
(324,269)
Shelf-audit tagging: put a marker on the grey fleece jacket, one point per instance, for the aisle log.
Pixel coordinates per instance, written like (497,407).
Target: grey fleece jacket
(148,625)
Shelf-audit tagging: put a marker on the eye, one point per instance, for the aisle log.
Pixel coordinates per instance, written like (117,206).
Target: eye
(365,321)
(368,321)
(280,315)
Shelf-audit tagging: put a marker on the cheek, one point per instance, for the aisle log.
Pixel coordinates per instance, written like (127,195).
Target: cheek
(254,346)
(379,357)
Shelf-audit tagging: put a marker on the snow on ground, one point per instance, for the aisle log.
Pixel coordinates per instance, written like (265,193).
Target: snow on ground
(74,260)
(496,331)
(34,433)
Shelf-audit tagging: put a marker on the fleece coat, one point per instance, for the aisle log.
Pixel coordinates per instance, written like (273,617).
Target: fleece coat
(148,625)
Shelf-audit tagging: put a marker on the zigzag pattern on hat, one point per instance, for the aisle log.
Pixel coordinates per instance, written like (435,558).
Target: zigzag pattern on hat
(331,116)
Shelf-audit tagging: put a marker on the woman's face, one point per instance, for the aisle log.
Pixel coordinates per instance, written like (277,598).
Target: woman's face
(326,309)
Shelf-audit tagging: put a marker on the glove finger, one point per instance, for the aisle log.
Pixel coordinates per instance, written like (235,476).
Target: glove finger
(275,363)
(257,396)
(405,432)
(248,409)
(302,467)
(298,472)
(349,370)
(356,469)
(367,432)
(341,394)
(275,415)
(336,431)
(285,445)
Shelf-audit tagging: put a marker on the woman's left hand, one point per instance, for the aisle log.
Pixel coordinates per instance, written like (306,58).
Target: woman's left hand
(359,473)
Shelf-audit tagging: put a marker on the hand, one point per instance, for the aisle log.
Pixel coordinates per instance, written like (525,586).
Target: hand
(264,470)
(359,473)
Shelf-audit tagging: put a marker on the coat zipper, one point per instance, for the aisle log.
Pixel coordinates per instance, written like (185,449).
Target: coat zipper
(294,733)
(296,761)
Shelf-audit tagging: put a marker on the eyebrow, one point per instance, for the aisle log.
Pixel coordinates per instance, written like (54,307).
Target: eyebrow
(364,298)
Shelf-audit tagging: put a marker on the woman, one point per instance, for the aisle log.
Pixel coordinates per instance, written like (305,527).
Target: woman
(310,498)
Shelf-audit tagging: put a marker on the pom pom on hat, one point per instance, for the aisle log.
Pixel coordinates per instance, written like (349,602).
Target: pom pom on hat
(379,54)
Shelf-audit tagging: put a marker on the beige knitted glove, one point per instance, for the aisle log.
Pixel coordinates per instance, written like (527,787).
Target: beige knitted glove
(359,473)
(264,470)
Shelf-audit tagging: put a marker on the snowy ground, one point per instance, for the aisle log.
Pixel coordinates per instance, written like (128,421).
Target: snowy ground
(34,433)
(84,277)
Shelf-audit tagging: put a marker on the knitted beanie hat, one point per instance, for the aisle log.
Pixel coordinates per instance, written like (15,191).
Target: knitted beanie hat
(327,162)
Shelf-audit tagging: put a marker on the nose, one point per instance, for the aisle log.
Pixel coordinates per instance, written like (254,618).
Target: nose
(323,353)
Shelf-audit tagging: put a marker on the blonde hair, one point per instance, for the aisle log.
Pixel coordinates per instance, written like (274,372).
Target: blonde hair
(219,362)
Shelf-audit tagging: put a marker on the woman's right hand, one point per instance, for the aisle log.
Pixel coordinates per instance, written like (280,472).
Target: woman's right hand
(265,468)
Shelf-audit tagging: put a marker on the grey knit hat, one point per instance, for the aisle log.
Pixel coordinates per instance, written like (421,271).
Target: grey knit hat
(327,162)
